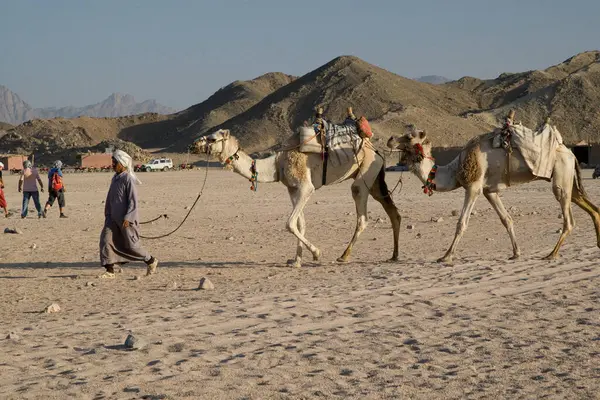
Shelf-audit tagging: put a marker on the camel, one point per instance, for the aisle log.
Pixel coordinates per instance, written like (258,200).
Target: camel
(302,174)
(481,168)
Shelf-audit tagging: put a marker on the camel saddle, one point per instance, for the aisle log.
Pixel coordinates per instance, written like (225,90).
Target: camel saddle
(340,142)
(538,148)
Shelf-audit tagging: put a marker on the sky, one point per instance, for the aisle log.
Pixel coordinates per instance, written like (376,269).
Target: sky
(179,52)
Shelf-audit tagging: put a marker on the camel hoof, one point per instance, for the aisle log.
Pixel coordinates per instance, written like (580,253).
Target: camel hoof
(550,257)
(515,257)
(316,255)
(444,260)
(342,259)
(393,259)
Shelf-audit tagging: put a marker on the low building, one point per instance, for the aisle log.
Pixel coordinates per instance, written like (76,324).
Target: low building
(12,162)
(96,160)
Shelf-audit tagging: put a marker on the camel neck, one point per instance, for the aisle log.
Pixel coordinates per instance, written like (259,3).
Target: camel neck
(445,175)
(265,168)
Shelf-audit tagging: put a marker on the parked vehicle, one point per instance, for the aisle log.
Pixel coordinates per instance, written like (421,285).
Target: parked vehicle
(158,164)
(397,167)
(596,172)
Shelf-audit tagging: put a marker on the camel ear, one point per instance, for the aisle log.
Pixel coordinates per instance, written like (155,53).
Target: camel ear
(226,133)
(422,134)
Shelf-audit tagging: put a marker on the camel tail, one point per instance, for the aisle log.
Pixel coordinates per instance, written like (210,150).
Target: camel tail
(578,182)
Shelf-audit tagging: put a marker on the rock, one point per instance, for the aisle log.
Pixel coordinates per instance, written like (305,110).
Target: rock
(186,207)
(205,284)
(318,202)
(418,235)
(229,238)
(137,278)
(134,343)
(90,284)
(13,336)
(86,230)
(379,220)
(437,219)
(560,216)
(559,230)
(132,389)
(473,212)
(33,246)
(410,227)
(455,213)
(52,308)
(13,230)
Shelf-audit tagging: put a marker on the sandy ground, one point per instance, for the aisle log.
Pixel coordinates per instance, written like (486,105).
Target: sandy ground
(482,328)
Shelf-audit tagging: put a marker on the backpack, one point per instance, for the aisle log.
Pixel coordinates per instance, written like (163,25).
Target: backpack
(363,127)
(57,183)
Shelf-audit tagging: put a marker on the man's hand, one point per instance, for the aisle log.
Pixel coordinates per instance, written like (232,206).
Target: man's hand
(125,224)
(64,189)
(42,189)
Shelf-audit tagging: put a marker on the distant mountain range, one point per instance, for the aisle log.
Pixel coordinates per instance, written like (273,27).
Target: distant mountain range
(433,79)
(14,110)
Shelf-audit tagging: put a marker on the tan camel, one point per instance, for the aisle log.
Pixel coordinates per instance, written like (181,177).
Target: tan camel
(302,173)
(481,168)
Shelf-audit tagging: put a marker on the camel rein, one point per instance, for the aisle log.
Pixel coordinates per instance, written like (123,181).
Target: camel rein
(188,213)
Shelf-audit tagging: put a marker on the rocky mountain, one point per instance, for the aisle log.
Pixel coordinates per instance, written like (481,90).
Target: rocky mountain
(223,105)
(388,100)
(568,93)
(13,110)
(433,79)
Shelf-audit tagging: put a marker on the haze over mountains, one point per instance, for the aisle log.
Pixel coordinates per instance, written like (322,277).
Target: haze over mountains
(264,111)
(14,110)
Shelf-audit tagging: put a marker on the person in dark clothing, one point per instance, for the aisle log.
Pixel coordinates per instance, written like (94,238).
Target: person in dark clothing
(120,237)
(56,189)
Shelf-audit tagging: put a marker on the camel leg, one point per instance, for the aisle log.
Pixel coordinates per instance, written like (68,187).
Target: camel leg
(297,262)
(360,194)
(300,196)
(471,194)
(506,219)
(586,205)
(564,197)
(393,215)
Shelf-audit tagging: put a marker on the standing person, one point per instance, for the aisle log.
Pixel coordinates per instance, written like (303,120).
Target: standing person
(3,204)
(56,189)
(27,184)
(120,237)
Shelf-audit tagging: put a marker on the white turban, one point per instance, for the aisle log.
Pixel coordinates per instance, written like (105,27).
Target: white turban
(125,160)
(1,165)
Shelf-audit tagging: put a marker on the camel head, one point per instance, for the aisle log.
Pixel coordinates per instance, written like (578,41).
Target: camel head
(413,146)
(220,143)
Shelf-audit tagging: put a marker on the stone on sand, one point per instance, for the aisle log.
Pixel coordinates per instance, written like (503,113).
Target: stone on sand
(205,284)
(52,308)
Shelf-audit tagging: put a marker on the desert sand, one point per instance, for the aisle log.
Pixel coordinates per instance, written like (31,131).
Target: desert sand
(483,327)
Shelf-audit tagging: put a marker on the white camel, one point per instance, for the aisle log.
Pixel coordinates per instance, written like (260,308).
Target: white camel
(302,173)
(481,168)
